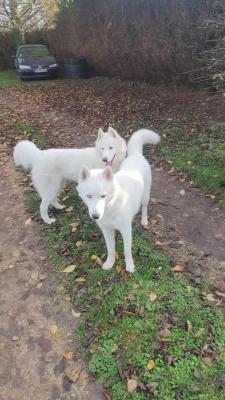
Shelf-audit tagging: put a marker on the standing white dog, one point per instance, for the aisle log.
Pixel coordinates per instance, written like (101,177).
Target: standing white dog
(113,200)
(49,168)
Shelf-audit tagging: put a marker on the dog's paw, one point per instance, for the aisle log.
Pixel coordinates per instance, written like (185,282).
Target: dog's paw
(144,222)
(49,221)
(107,265)
(130,268)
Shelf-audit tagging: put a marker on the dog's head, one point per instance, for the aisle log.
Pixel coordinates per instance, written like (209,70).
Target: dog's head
(96,188)
(111,147)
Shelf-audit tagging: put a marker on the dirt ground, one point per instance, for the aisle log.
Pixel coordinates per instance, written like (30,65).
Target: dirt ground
(188,227)
(38,356)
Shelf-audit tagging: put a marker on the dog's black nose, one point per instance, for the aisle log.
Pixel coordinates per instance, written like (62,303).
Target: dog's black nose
(95,216)
(105,159)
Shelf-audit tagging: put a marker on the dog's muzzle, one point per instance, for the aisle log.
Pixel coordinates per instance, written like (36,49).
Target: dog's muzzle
(109,163)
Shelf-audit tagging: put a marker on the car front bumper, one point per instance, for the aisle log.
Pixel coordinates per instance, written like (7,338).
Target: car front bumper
(31,74)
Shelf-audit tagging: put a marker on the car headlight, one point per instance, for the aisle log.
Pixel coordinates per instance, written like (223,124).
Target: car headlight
(22,67)
(55,65)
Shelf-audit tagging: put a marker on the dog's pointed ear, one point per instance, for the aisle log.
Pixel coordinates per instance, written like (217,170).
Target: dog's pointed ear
(112,132)
(108,173)
(84,174)
(100,133)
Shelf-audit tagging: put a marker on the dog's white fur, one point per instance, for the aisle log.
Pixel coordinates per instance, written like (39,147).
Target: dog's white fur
(49,168)
(113,200)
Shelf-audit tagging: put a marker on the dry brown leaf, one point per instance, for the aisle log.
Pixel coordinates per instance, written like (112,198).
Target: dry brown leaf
(39,285)
(79,243)
(182,192)
(28,221)
(207,360)
(200,332)
(131,385)
(119,268)
(153,221)
(76,314)
(42,258)
(177,268)
(69,209)
(94,257)
(34,275)
(152,297)
(151,364)
(210,297)
(166,331)
(80,280)
(69,355)
(74,374)
(53,330)
(131,297)
(11,266)
(69,269)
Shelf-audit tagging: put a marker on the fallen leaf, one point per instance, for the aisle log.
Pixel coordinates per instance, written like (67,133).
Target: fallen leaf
(131,297)
(69,209)
(39,285)
(28,221)
(42,258)
(53,330)
(207,360)
(80,280)
(76,314)
(210,297)
(119,268)
(166,331)
(69,355)
(153,221)
(177,268)
(11,266)
(83,374)
(94,257)
(196,373)
(34,275)
(189,289)
(74,226)
(189,325)
(200,332)
(151,364)
(182,192)
(159,169)
(74,373)
(69,269)
(79,243)
(131,385)
(152,297)
(15,338)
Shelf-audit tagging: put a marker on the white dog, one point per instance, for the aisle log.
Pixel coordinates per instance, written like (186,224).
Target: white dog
(113,200)
(49,168)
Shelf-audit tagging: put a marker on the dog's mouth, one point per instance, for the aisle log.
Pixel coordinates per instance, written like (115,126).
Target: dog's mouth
(109,163)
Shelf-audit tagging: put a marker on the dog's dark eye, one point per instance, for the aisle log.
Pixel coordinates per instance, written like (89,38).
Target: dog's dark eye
(103,196)
(110,148)
(89,196)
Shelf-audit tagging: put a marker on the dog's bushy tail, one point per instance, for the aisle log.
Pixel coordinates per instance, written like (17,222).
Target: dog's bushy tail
(139,139)
(25,154)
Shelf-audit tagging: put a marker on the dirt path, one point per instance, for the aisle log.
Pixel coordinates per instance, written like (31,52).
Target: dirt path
(33,356)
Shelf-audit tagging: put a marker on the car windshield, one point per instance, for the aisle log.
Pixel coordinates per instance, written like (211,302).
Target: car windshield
(34,51)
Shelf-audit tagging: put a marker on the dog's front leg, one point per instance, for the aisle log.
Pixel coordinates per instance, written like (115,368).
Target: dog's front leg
(109,235)
(126,233)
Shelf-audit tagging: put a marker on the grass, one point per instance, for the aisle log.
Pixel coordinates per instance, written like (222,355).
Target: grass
(122,330)
(26,131)
(201,157)
(8,78)
(172,347)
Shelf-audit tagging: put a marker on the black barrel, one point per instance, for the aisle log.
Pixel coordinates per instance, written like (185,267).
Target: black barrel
(76,68)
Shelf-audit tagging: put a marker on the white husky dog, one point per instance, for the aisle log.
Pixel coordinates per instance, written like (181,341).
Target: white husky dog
(49,168)
(113,200)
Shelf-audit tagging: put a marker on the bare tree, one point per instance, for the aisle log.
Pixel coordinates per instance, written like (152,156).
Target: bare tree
(23,16)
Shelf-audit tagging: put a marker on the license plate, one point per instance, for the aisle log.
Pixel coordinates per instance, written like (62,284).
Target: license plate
(39,70)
